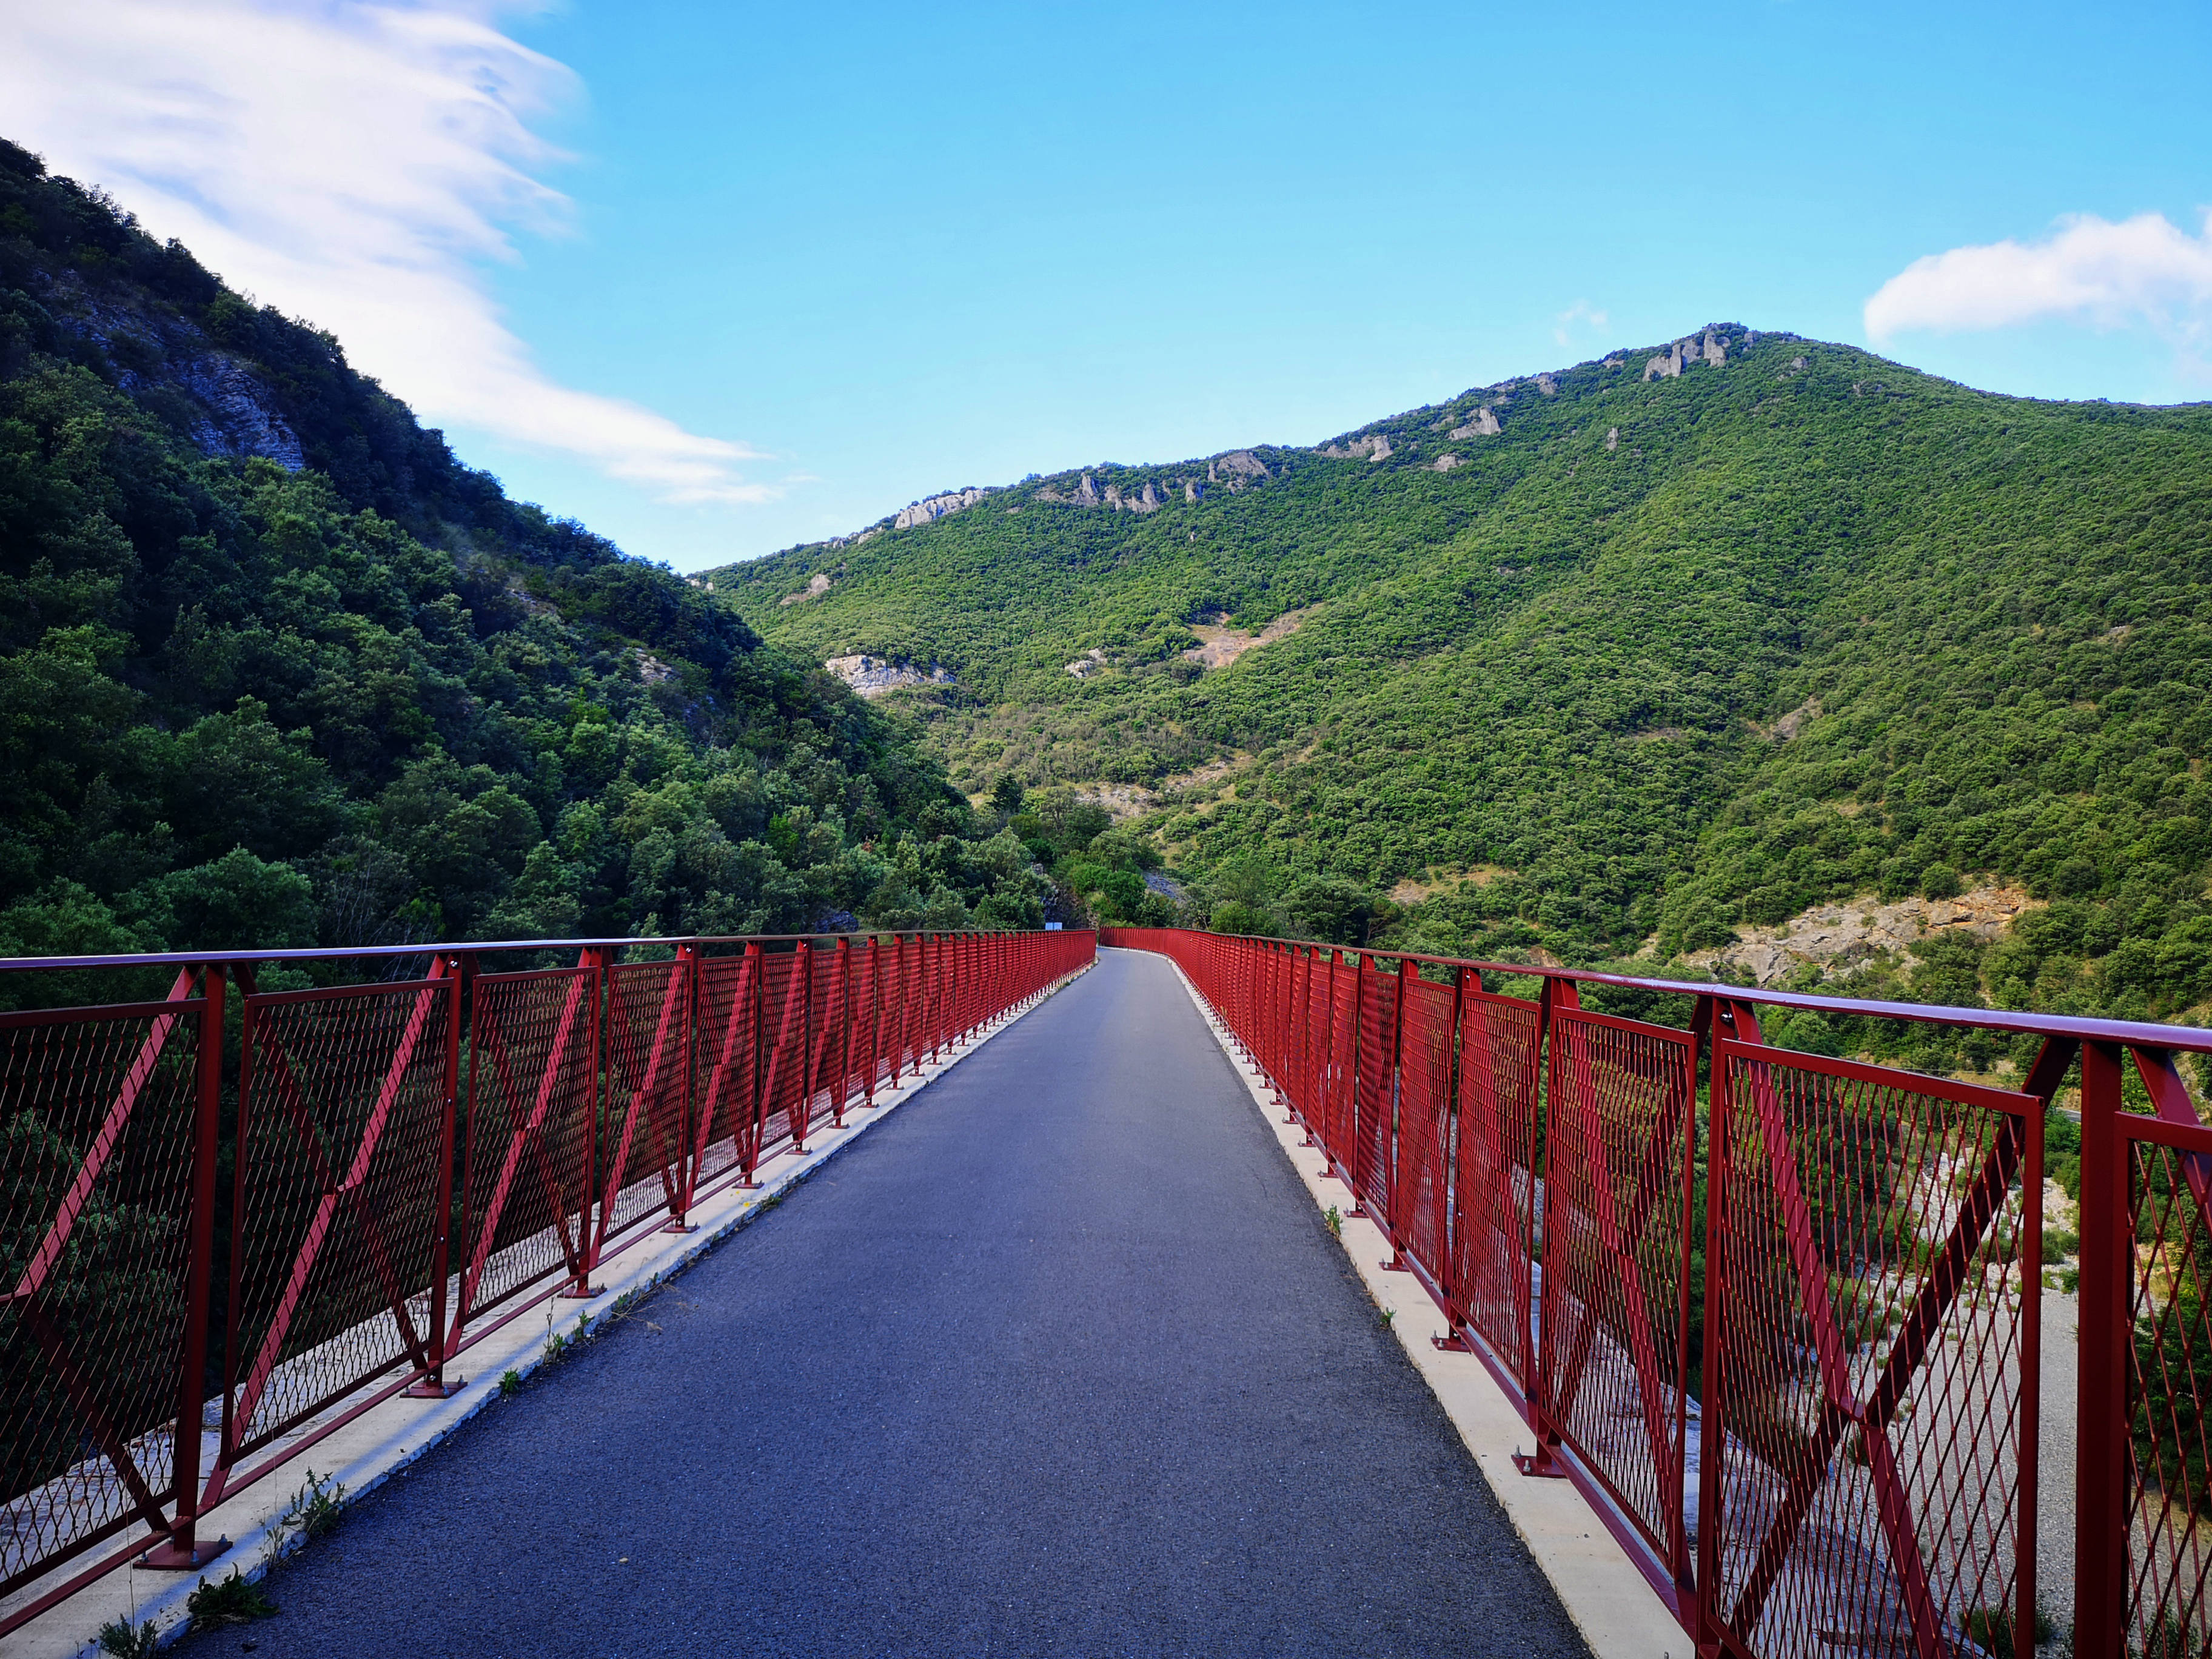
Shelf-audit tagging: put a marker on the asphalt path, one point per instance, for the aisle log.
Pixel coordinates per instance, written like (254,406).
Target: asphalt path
(1060,1360)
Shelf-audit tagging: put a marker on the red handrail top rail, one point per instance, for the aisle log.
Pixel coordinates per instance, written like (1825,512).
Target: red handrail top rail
(475,947)
(2139,1033)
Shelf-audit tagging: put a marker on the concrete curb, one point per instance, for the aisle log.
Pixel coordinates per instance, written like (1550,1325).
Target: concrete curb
(1603,1591)
(383,1442)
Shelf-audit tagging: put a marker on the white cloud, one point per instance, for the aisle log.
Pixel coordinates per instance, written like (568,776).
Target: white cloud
(2140,270)
(1580,311)
(355,165)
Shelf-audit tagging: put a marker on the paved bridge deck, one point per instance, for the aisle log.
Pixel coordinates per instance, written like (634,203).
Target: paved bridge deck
(1059,1360)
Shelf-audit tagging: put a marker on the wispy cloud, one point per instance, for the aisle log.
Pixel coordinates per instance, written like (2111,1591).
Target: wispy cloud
(355,165)
(2145,270)
(1580,312)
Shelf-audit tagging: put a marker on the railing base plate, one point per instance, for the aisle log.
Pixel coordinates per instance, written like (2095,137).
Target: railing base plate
(167,1557)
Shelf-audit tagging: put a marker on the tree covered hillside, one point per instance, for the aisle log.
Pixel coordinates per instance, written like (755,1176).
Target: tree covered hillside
(275,669)
(1623,657)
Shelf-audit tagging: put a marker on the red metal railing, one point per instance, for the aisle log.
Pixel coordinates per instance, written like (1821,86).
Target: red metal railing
(414,1163)
(1852,1461)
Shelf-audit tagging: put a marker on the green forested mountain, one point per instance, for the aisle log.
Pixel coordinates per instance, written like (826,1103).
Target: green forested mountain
(1623,657)
(275,669)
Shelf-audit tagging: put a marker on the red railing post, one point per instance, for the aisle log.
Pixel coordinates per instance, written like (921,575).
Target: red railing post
(1396,1222)
(805,1119)
(183,1550)
(680,1191)
(2100,1492)
(432,1385)
(1556,994)
(595,959)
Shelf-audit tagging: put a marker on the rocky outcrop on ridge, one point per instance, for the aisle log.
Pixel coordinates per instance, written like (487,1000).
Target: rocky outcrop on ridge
(1484,425)
(936,507)
(813,590)
(1233,471)
(1375,446)
(871,677)
(1711,347)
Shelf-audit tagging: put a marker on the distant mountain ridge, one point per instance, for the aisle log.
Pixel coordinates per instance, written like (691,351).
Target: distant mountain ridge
(1614,658)
(277,670)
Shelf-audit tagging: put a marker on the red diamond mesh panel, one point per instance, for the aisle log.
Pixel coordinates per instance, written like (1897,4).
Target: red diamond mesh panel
(1494,1184)
(2169,1488)
(897,1002)
(527,1196)
(871,1048)
(1423,1191)
(825,1028)
(96,1112)
(644,1137)
(1863,1393)
(783,1048)
(1616,1260)
(723,1065)
(1339,1112)
(342,1113)
(1378,1085)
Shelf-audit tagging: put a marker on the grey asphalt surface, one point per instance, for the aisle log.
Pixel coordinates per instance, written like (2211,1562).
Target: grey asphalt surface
(1058,1361)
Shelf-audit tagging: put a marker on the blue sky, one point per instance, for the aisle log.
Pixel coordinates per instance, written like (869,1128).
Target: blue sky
(717,279)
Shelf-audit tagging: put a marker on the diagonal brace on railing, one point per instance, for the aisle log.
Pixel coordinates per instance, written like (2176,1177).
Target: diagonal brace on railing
(1978,1207)
(665,1038)
(1616,1236)
(336,1190)
(103,1143)
(527,1135)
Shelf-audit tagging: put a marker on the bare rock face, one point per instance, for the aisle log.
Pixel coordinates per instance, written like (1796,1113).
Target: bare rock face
(1484,425)
(1090,493)
(1443,463)
(1612,438)
(1219,646)
(1838,937)
(871,677)
(1711,347)
(1374,446)
(1233,471)
(1091,662)
(1192,491)
(813,590)
(936,507)
(243,419)
(1547,386)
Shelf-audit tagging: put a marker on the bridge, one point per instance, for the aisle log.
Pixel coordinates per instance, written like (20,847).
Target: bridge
(1059,1356)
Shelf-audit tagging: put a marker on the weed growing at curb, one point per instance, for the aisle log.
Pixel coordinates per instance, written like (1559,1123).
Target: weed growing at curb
(510,1383)
(233,1601)
(1389,1314)
(558,1343)
(315,1510)
(1335,1221)
(118,1639)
